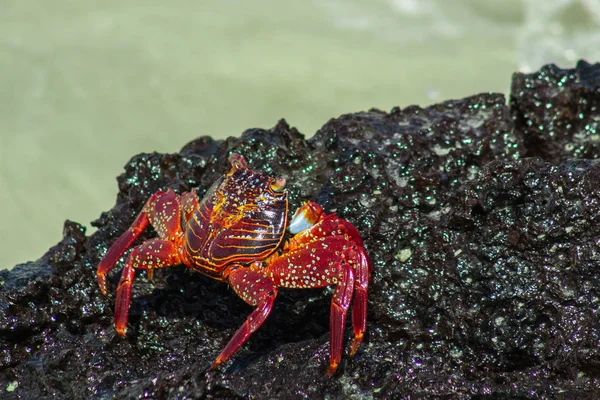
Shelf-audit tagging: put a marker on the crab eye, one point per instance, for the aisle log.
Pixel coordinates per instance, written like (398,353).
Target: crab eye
(278,185)
(237,161)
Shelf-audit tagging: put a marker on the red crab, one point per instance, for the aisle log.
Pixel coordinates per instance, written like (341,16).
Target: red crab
(236,234)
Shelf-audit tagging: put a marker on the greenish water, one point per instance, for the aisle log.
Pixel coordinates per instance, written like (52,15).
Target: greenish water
(84,86)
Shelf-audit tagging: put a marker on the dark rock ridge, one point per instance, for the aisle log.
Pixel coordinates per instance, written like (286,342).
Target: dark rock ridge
(482,221)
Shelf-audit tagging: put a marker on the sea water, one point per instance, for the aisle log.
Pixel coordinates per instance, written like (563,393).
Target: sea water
(84,86)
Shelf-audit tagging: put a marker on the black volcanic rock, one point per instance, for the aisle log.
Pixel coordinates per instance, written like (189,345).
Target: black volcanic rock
(557,112)
(482,223)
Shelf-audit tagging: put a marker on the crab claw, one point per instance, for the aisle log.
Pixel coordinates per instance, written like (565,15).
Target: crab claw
(305,217)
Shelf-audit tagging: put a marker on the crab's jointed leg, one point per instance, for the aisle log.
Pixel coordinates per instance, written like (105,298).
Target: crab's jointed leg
(327,253)
(257,290)
(152,254)
(362,271)
(163,211)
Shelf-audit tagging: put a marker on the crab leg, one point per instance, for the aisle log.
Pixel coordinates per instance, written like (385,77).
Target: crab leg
(163,211)
(152,254)
(119,247)
(362,270)
(339,307)
(326,261)
(325,251)
(257,290)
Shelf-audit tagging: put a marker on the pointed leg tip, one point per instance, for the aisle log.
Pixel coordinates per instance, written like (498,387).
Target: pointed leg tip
(121,331)
(331,369)
(216,364)
(356,344)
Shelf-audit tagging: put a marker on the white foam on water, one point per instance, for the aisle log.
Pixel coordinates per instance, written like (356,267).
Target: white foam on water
(403,21)
(541,31)
(559,32)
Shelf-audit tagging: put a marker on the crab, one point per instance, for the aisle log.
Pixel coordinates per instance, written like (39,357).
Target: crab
(236,234)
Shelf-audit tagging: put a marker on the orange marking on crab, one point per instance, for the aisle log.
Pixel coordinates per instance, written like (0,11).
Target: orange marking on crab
(236,234)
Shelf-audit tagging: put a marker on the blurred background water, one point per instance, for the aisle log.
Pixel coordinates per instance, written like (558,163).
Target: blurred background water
(84,86)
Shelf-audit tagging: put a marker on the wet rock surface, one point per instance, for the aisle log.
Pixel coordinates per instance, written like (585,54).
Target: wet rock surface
(482,223)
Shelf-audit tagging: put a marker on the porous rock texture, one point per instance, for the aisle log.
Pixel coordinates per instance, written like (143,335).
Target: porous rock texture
(482,221)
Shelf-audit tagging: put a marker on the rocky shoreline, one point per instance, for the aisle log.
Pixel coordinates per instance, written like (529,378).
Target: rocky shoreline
(482,220)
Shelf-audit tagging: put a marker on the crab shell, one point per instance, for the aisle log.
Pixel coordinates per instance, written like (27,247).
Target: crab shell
(242,218)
